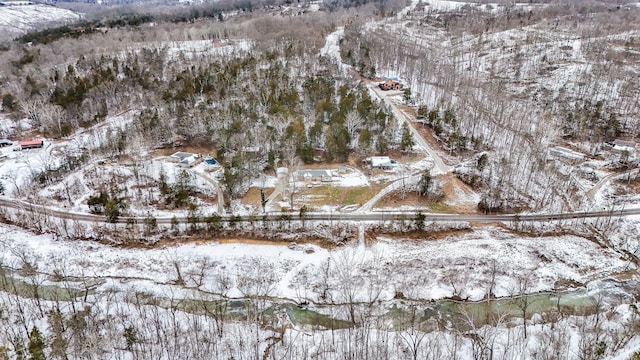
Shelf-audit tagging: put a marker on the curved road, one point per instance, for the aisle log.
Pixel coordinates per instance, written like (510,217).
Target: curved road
(216,187)
(398,184)
(592,193)
(354,217)
(440,166)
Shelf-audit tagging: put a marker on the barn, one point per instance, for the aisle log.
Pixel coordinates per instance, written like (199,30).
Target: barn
(31,144)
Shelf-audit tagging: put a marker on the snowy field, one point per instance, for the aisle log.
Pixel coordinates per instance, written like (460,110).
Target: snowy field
(20,19)
(459,265)
(124,282)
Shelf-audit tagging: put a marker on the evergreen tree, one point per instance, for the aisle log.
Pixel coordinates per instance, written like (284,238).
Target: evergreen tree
(263,200)
(423,112)
(407,139)
(381,145)
(425,183)
(419,221)
(36,345)
(483,160)
(8,102)
(130,336)
(407,96)
(364,139)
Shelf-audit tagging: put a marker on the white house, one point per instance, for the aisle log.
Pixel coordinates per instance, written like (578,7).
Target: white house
(315,175)
(380,162)
(185,158)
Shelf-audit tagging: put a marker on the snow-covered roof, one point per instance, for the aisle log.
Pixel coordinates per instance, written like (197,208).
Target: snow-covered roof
(324,175)
(566,153)
(315,172)
(624,143)
(627,149)
(185,157)
(380,161)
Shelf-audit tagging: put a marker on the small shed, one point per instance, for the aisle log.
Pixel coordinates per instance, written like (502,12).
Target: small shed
(626,143)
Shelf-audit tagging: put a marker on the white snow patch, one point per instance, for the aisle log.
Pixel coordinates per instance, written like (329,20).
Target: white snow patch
(20,19)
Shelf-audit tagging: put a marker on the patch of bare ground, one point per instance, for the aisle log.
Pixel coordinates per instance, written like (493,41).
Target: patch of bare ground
(458,198)
(410,198)
(427,135)
(210,200)
(234,237)
(252,197)
(407,109)
(623,186)
(423,130)
(371,235)
(625,275)
(405,157)
(565,284)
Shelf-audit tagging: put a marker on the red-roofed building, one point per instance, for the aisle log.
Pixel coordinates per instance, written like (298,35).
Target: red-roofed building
(390,85)
(31,144)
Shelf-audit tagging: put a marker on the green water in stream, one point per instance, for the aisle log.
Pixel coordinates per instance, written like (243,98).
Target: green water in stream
(398,314)
(402,314)
(25,285)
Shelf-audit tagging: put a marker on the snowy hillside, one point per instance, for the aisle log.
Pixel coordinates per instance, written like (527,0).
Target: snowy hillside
(430,179)
(20,19)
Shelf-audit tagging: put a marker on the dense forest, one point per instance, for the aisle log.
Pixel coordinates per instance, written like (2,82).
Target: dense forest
(229,98)
(488,82)
(492,86)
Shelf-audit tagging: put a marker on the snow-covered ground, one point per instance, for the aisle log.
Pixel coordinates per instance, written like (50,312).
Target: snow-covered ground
(23,18)
(467,265)
(458,265)
(452,5)
(192,48)
(331,49)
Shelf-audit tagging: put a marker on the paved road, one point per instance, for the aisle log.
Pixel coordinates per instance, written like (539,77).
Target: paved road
(592,193)
(280,188)
(216,187)
(408,181)
(347,217)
